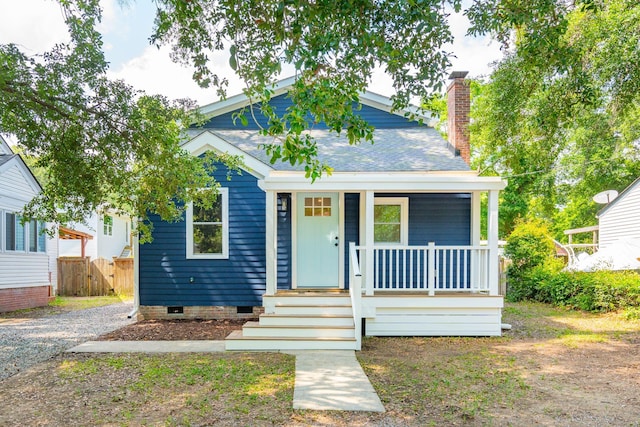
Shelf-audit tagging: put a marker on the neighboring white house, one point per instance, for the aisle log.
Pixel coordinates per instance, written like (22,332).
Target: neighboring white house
(27,256)
(111,237)
(620,219)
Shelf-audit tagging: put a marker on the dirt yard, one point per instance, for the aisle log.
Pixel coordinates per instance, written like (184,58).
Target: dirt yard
(554,368)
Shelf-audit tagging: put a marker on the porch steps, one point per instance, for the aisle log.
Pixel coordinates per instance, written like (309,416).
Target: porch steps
(299,321)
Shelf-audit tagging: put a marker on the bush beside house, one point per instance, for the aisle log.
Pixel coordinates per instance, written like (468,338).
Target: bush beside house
(535,274)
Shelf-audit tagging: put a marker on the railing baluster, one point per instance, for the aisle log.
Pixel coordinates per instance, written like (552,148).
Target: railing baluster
(410,268)
(466,269)
(384,268)
(458,269)
(397,258)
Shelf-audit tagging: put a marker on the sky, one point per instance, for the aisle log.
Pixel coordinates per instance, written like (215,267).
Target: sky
(36,25)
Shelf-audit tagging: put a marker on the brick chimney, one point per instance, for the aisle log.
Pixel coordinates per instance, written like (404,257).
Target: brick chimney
(458,108)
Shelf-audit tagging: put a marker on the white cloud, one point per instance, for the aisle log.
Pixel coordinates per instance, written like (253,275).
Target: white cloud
(155,73)
(34,25)
(473,54)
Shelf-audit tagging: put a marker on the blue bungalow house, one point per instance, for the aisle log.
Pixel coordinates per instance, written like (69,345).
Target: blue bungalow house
(388,245)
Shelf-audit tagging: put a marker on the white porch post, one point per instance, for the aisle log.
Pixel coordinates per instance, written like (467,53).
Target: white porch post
(492,236)
(368,241)
(272,240)
(476,222)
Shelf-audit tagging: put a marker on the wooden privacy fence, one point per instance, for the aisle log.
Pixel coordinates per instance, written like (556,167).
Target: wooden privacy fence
(81,277)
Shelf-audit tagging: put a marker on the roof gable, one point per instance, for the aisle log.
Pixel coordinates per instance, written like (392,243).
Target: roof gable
(4,147)
(400,144)
(621,196)
(374,108)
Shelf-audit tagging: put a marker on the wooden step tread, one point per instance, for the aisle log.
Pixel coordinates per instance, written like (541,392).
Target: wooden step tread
(237,335)
(314,305)
(258,325)
(311,293)
(307,316)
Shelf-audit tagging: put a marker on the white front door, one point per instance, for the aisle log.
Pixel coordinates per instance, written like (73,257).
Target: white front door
(317,240)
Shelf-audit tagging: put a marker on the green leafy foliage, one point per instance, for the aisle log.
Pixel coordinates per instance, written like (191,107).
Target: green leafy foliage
(559,116)
(535,274)
(594,291)
(334,47)
(98,144)
(531,252)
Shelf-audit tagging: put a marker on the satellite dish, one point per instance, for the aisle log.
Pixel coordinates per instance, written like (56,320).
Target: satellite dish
(605,197)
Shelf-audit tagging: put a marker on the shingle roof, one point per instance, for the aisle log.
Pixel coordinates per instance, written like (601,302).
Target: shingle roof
(394,150)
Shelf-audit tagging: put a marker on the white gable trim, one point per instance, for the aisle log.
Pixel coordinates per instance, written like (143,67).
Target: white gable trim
(24,170)
(368,98)
(622,195)
(207,141)
(4,147)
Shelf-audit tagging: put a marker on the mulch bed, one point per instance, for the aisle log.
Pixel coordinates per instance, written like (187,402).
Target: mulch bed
(175,330)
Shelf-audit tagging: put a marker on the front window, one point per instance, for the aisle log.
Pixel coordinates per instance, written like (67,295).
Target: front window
(37,237)
(390,220)
(208,229)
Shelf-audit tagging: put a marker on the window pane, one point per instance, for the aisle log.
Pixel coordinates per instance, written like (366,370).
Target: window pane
(107,228)
(326,202)
(207,239)
(19,234)
(386,213)
(201,214)
(10,231)
(386,233)
(308,201)
(308,211)
(42,237)
(33,236)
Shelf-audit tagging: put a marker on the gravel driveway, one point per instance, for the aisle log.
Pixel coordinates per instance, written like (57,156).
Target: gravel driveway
(25,342)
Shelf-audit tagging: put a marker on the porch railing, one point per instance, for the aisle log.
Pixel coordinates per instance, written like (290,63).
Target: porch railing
(428,268)
(355,292)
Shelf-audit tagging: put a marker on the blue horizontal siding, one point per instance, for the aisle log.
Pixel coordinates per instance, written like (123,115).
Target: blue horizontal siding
(444,219)
(165,272)
(378,118)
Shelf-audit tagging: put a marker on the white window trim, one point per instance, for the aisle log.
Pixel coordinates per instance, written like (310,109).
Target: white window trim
(107,227)
(404,217)
(224,193)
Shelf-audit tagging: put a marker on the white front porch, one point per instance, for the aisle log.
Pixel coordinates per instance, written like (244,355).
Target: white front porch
(393,290)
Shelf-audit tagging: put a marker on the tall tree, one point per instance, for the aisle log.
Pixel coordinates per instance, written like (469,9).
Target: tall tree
(559,117)
(107,145)
(102,144)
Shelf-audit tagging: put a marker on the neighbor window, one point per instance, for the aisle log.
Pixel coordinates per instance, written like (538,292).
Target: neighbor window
(107,225)
(390,220)
(37,237)
(14,232)
(208,228)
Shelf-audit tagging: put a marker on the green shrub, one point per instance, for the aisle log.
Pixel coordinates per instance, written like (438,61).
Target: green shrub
(596,291)
(532,255)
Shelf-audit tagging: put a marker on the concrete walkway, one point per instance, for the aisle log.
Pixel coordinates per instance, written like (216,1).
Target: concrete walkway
(325,379)
(332,380)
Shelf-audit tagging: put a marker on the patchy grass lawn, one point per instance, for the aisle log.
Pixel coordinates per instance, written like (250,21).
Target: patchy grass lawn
(556,367)
(65,304)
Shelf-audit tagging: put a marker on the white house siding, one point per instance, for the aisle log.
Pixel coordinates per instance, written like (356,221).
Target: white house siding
(18,269)
(110,246)
(101,246)
(621,219)
(14,189)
